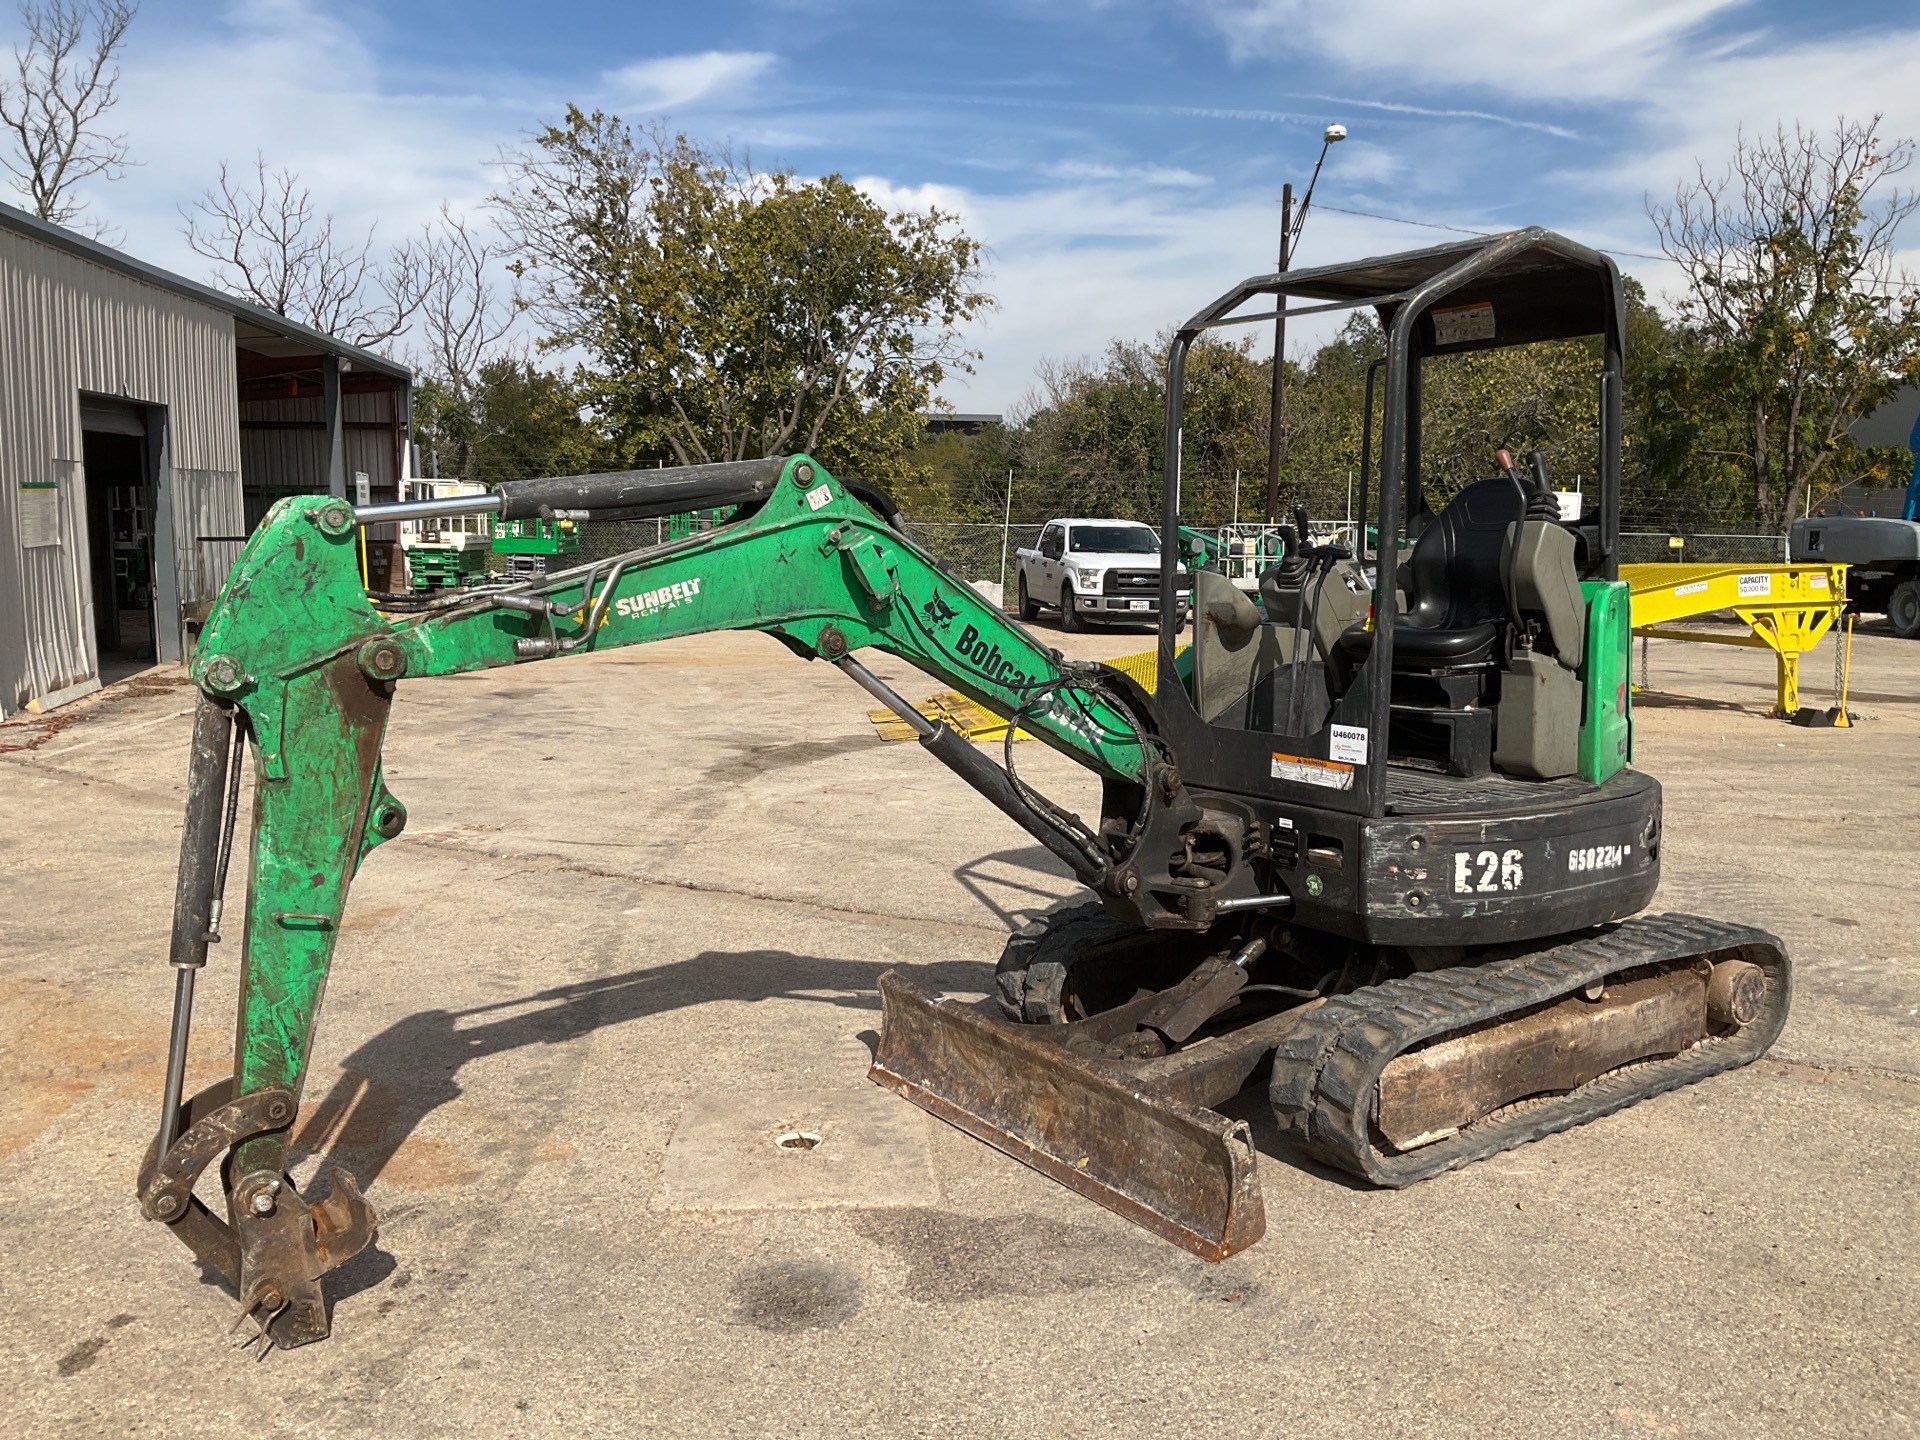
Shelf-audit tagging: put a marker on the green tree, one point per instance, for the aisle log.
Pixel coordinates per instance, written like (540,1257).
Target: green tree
(727,313)
(1799,320)
(1543,397)
(513,421)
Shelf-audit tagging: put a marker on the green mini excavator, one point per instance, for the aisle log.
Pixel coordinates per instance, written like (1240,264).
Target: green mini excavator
(1372,840)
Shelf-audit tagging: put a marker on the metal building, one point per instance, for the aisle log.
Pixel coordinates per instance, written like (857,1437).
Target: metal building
(147,422)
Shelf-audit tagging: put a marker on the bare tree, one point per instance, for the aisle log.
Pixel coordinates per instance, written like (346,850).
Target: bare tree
(1789,258)
(268,244)
(445,274)
(63,85)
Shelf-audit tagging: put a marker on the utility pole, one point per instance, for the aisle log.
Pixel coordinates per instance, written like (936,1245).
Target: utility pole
(1290,227)
(1006,529)
(1274,410)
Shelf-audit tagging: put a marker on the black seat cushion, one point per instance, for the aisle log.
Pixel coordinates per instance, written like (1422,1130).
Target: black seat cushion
(1422,647)
(1456,591)
(1466,645)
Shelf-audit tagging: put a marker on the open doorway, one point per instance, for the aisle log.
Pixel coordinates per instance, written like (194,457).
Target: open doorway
(120,511)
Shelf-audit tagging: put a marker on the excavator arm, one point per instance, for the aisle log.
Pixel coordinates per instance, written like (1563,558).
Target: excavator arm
(297,663)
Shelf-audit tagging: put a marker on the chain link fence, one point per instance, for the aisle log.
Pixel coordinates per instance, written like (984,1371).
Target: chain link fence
(975,552)
(986,552)
(1700,547)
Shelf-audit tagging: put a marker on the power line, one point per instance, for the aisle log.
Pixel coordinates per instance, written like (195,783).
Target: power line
(1401,220)
(1462,230)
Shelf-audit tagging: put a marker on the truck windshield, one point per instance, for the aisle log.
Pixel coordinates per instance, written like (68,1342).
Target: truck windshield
(1113,539)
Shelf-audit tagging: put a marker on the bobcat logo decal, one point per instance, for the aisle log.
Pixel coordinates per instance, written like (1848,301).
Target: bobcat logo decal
(939,614)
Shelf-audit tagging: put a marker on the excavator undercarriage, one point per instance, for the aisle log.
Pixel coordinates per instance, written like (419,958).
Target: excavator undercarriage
(1372,843)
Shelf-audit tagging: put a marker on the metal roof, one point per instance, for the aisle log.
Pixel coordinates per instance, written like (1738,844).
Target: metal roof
(1530,249)
(259,328)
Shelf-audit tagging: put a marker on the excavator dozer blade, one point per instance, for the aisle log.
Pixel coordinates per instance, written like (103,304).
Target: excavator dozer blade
(1183,1172)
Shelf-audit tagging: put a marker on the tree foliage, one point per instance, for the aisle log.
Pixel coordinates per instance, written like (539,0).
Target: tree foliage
(1797,319)
(727,313)
(513,421)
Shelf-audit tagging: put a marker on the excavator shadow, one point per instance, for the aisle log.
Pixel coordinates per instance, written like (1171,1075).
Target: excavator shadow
(391,1084)
(1665,700)
(1014,898)
(1253,1106)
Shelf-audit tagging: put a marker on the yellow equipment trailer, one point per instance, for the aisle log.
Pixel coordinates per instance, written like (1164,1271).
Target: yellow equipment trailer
(1786,609)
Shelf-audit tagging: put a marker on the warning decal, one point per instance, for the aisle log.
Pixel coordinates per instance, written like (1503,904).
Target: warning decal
(1461,323)
(1327,774)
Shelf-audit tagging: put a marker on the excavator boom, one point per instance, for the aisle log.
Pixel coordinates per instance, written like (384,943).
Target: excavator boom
(298,664)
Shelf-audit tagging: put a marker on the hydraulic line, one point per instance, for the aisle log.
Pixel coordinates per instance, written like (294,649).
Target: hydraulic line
(959,756)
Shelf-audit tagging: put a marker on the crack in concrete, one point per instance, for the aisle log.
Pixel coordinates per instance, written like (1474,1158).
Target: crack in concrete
(562,862)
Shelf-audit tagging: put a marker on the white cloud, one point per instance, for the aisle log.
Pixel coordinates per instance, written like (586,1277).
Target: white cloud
(949,199)
(1396,108)
(1164,175)
(1076,266)
(297,86)
(1579,50)
(676,80)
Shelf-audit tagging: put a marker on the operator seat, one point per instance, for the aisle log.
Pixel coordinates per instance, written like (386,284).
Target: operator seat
(1465,647)
(1455,585)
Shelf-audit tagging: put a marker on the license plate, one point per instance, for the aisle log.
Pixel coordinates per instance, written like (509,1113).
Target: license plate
(1138,604)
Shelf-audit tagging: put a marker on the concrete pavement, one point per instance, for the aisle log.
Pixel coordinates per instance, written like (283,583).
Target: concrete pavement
(638,881)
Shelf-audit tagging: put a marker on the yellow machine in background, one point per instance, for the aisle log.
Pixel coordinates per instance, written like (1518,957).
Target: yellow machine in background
(1786,609)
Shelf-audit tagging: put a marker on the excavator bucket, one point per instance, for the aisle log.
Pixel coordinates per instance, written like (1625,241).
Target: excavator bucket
(1108,1132)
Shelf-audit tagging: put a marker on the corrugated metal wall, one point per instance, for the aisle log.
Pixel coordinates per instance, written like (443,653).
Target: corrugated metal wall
(67,325)
(283,446)
(210,526)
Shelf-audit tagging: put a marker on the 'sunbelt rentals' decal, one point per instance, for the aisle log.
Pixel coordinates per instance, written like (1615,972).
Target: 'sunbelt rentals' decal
(650,602)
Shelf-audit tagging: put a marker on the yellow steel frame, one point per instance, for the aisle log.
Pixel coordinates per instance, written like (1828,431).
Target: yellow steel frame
(1786,609)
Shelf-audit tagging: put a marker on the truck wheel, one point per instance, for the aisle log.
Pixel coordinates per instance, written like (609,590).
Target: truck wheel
(1029,608)
(1069,617)
(1903,609)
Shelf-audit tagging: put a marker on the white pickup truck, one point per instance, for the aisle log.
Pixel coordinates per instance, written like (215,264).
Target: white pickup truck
(1094,570)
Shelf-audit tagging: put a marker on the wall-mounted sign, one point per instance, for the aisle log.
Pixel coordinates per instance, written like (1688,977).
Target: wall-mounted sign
(39,513)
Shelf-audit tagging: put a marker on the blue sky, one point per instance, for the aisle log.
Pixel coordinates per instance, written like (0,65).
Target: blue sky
(1121,158)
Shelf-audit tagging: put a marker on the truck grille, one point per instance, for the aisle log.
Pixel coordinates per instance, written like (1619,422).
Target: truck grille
(1132,582)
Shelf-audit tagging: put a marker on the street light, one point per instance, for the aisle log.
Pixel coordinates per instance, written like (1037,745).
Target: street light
(1290,227)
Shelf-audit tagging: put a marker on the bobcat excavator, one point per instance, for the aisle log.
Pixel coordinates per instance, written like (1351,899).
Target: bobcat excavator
(1372,839)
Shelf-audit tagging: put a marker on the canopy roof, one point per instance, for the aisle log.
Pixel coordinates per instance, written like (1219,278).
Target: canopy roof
(1512,289)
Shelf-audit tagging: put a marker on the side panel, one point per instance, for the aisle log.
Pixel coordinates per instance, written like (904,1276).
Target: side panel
(68,326)
(1606,719)
(1472,879)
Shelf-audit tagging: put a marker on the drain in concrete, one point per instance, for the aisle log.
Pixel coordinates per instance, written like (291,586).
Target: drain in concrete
(798,1150)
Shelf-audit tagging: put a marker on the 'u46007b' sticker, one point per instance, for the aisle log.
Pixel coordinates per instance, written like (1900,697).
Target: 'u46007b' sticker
(1328,774)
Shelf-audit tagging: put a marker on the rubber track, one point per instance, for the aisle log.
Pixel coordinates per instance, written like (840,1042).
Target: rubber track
(1326,1071)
